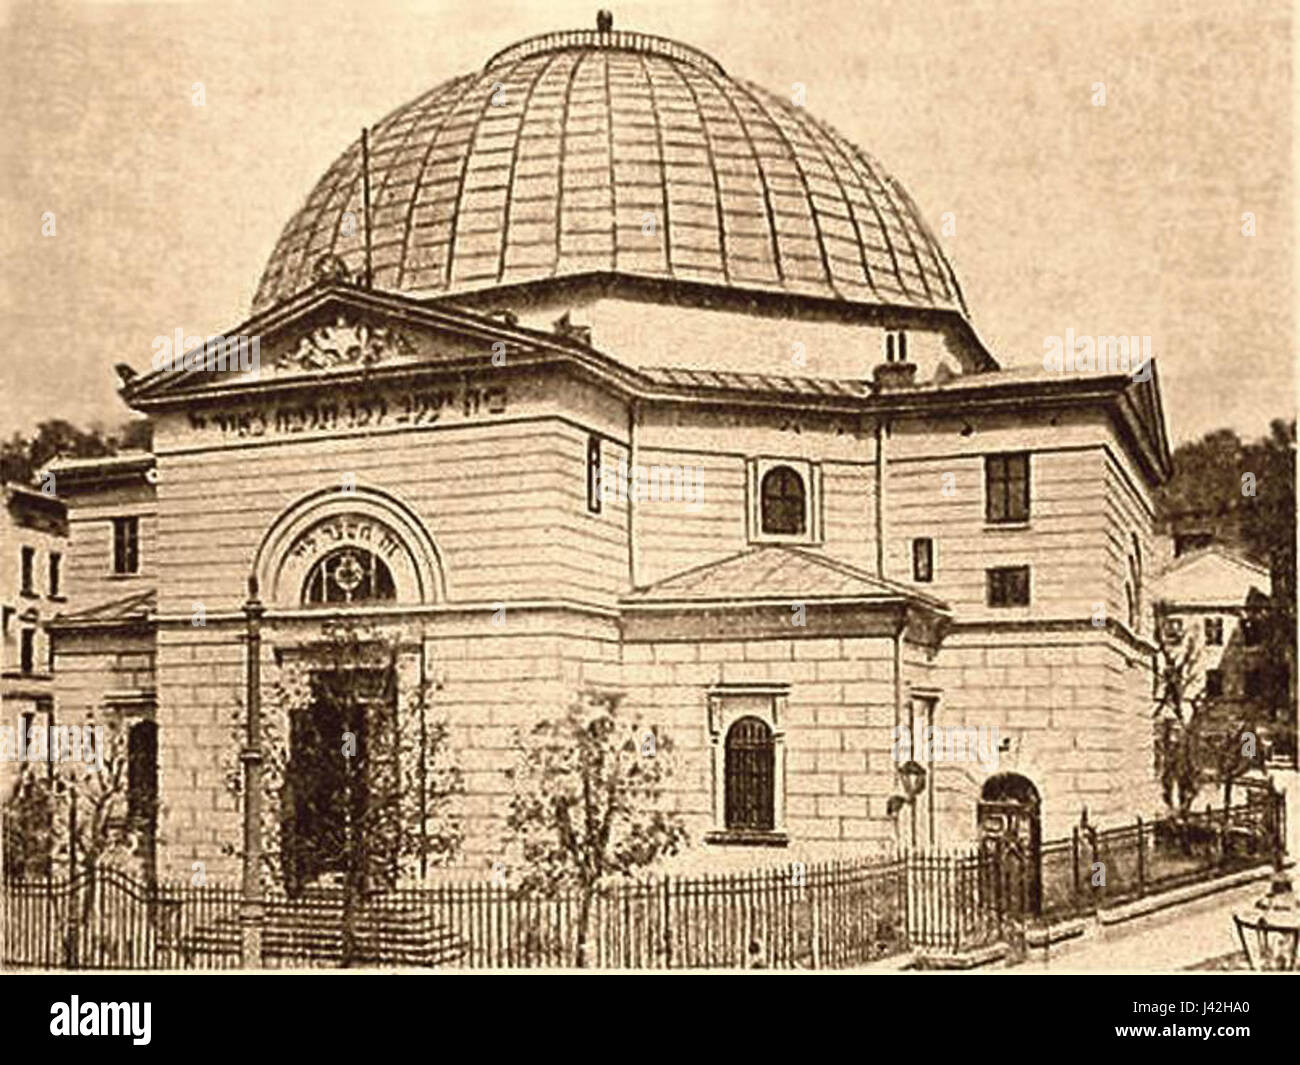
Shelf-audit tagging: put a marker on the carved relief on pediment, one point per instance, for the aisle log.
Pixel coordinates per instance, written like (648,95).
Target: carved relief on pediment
(345,344)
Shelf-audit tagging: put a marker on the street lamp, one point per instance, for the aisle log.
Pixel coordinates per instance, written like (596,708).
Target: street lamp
(1270,930)
(912,775)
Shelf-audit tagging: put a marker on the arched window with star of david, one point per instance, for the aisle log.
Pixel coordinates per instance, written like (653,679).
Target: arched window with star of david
(349,575)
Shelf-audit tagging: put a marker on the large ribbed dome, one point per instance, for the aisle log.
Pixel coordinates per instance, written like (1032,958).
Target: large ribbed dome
(609,152)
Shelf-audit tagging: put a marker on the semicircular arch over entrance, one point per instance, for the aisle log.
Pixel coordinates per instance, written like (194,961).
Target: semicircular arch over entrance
(364,522)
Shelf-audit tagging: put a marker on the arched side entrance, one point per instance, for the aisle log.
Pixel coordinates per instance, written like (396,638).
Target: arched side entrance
(1009,818)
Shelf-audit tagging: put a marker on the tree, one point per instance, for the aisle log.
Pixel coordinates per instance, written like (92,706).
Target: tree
(1243,493)
(75,815)
(589,804)
(22,458)
(1188,744)
(358,782)
(1270,534)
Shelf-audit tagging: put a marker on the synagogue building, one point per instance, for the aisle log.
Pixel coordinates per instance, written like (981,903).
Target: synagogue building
(602,370)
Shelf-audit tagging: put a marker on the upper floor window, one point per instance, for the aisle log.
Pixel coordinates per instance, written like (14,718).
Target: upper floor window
(1214,632)
(56,567)
(593,474)
(126,545)
(349,575)
(27,651)
(896,347)
(1008,586)
(1214,683)
(1006,487)
(923,560)
(783,502)
(28,557)
(750,770)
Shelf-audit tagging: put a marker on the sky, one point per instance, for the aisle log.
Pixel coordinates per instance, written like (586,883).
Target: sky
(1124,218)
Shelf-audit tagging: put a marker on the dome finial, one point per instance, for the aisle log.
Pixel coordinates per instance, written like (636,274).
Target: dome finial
(604,21)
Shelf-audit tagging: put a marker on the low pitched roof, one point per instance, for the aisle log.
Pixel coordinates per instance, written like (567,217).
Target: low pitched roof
(139,606)
(725,380)
(776,572)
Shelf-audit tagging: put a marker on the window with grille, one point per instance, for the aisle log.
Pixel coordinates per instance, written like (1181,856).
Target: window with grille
(784,502)
(750,776)
(349,575)
(1008,586)
(1006,487)
(126,545)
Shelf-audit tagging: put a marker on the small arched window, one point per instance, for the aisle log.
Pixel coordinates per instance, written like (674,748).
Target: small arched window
(784,502)
(750,776)
(349,575)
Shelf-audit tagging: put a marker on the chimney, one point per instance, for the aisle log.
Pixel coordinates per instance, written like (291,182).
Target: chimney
(895,373)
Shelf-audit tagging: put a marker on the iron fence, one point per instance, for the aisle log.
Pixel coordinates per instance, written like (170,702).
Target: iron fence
(816,916)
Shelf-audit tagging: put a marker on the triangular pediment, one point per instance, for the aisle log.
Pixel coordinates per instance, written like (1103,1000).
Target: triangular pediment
(332,334)
(1213,576)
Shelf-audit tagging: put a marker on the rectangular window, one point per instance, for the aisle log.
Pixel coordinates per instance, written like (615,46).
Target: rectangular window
(593,474)
(126,545)
(27,651)
(49,653)
(1252,632)
(923,560)
(1008,586)
(1006,487)
(28,570)
(1214,683)
(1214,632)
(142,774)
(56,564)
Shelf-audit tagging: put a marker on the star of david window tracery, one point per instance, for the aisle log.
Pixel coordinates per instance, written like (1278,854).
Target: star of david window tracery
(349,575)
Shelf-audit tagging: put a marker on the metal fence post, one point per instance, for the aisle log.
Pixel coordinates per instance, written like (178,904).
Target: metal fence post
(1141,860)
(252,915)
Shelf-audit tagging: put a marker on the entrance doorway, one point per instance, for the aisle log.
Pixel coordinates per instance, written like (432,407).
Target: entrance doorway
(1009,818)
(341,782)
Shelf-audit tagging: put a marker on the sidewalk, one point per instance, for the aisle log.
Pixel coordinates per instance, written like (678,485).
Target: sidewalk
(1171,940)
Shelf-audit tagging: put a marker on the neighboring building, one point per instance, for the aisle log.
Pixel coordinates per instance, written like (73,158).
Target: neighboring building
(33,587)
(104,640)
(602,264)
(1219,600)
